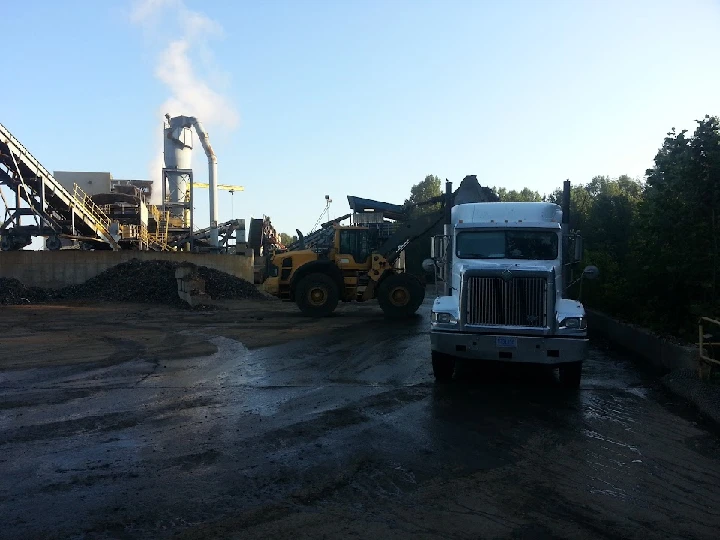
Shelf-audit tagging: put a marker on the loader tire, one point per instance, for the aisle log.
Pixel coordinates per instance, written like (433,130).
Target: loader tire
(317,295)
(400,295)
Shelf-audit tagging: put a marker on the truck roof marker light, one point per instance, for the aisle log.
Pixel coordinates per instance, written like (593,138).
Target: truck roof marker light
(460,220)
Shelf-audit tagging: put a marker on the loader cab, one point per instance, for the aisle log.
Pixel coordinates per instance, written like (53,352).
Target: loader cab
(355,245)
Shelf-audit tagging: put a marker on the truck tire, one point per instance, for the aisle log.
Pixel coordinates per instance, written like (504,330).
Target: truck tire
(317,295)
(570,375)
(400,295)
(443,366)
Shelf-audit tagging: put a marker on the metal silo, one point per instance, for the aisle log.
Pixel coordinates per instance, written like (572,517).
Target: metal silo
(178,151)
(178,161)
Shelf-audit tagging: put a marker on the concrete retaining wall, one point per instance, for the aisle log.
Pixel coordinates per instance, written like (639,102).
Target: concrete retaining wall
(656,351)
(55,269)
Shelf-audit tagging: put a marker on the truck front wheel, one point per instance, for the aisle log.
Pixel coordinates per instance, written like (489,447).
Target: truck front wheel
(570,375)
(400,295)
(317,295)
(443,366)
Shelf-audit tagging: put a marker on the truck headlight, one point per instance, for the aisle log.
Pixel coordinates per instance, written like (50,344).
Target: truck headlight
(443,318)
(573,323)
(273,271)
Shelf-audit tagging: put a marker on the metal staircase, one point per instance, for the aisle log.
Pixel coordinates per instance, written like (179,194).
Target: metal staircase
(56,212)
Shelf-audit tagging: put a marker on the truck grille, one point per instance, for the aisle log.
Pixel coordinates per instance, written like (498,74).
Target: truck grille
(521,301)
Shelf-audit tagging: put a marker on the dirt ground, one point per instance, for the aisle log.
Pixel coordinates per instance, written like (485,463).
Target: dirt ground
(95,332)
(251,421)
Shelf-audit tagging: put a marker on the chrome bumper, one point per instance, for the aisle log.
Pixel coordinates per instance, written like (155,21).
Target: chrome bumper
(525,349)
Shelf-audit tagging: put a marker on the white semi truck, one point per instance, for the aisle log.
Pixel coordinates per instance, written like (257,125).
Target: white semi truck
(506,268)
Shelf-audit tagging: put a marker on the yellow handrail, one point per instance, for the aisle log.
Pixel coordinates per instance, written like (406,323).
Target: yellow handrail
(702,353)
(84,200)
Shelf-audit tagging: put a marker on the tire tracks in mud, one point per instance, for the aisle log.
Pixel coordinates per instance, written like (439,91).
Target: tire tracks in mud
(504,459)
(97,423)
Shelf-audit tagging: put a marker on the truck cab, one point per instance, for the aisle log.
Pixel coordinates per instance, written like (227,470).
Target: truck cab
(506,269)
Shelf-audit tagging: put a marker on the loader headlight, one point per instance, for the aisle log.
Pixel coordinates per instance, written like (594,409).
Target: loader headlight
(443,318)
(273,271)
(573,323)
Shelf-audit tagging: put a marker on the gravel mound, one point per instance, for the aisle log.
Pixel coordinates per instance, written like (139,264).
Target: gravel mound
(220,285)
(134,281)
(14,293)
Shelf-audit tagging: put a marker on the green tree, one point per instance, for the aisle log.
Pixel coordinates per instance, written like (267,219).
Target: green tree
(286,239)
(605,212)
(524,195)
(607,218)
(423,191)
(419,250)
(679,222)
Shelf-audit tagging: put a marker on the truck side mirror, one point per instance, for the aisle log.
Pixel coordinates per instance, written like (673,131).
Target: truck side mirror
(591,272)
(578,248)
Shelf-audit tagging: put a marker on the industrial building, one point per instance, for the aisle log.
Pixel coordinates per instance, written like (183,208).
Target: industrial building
(93,210)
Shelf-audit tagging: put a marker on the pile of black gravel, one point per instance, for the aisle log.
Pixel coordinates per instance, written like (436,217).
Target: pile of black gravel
(14,293)
(220,285)
(134,281)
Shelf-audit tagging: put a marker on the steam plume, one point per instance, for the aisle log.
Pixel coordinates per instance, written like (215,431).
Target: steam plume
(189,95)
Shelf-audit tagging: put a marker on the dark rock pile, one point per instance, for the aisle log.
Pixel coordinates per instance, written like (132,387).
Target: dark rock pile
(133,281)
(220,285)
(14,293)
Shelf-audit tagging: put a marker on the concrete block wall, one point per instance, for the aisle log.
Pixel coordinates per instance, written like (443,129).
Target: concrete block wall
(56,269)
(655,351)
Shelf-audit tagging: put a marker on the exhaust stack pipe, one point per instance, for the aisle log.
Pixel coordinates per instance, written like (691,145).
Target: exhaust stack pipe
(212,176)
(566,234)
(447,232)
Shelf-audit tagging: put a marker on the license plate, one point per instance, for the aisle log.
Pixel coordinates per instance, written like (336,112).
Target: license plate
(506,342)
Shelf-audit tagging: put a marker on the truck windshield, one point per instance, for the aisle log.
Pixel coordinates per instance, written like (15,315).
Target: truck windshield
(535,245)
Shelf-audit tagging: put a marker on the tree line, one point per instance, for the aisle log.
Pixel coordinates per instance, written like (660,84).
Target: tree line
(656,240)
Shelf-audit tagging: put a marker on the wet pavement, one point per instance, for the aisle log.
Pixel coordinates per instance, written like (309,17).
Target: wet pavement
(347,435)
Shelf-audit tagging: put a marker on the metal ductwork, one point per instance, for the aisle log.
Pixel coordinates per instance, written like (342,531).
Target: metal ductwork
(178,153)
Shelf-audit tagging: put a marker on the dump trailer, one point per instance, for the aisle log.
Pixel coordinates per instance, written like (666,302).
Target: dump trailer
(506,270)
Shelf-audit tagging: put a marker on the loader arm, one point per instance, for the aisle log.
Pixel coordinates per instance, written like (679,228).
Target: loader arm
(406,234)
(469,191)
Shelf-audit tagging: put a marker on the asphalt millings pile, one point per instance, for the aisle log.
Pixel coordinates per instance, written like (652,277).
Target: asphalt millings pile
(14,293)
(220,285)
(133,281)
(138,281)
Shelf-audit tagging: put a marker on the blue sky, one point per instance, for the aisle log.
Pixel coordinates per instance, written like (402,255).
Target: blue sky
(308,98)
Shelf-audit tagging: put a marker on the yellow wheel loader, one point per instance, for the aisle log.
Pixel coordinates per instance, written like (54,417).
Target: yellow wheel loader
(350,268)
(353,264)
